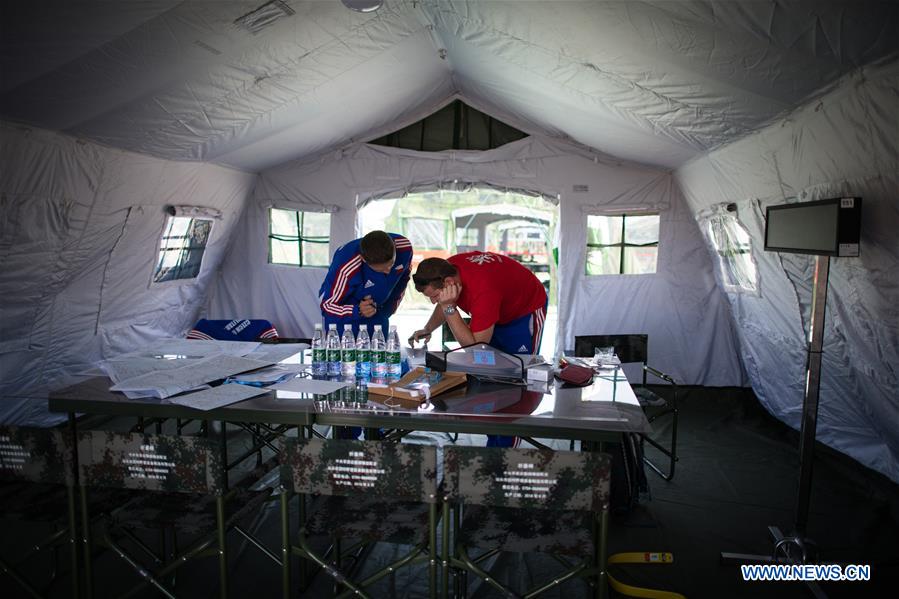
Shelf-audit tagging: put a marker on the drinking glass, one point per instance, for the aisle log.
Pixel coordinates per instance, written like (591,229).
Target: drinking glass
(603,355)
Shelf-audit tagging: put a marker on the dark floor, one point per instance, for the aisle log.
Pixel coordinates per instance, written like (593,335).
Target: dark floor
(737,475)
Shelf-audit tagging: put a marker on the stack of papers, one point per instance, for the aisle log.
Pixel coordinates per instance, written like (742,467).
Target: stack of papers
(217,397)
(272,374)
(124,369)
(191,348)
(276,352)
(167,367)
(194,373)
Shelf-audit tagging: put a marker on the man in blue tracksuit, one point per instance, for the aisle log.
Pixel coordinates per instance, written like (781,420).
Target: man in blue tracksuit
(366,281)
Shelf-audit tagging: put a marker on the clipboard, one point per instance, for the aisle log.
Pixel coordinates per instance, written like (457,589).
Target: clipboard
(408,391)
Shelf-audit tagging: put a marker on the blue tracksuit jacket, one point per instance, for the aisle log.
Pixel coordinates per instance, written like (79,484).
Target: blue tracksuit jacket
(350,280)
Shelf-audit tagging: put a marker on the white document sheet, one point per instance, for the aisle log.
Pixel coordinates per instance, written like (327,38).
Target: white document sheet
(191,348)
(165,383)
(216,397)
(122,370)
(273,373)
(307,385)
(276,352)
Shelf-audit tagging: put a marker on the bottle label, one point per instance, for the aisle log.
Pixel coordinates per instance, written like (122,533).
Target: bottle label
(348,355)
(363,355)
(393,357)
(333,355)
(377,356)
(319,354)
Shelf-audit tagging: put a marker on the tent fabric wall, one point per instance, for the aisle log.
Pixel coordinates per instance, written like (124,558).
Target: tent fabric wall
(845,144)
(655,81)
(79,236)
(680,307)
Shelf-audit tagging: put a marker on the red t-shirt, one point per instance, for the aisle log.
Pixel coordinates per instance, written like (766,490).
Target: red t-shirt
(496,289)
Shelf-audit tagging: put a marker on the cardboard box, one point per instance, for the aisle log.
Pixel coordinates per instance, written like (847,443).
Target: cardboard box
(540,372)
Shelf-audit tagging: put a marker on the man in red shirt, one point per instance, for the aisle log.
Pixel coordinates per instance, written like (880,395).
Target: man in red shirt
(507,303)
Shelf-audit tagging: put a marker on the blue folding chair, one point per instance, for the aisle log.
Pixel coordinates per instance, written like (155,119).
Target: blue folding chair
(238,329)
(243,329)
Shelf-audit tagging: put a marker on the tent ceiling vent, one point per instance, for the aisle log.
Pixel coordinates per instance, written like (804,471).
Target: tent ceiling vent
(580,188)
(456,126)
(264,16)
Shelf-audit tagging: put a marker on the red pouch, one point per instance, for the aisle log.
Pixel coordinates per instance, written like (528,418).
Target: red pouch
(576,375)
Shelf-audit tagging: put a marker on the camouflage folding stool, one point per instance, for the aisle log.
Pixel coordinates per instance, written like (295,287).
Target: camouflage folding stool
(176,484)
(369,491)
(37,486)
(526,500)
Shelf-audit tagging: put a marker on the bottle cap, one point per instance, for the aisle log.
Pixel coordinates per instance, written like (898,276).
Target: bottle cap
(332,326)
(318,325)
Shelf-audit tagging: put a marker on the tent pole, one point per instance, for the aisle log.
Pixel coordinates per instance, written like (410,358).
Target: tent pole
(784,545)
(812,385)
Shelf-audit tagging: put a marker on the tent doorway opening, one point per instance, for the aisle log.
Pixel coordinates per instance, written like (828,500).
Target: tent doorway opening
(445,222)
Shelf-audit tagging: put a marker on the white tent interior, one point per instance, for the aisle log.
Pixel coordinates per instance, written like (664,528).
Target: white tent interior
(112,111)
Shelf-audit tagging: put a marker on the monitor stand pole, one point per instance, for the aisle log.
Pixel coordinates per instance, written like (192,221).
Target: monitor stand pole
(795,548)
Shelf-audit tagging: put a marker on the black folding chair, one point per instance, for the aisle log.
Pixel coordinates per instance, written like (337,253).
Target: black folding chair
(368,491)
(37,486)
(525,501)
(178,485)
(632,349)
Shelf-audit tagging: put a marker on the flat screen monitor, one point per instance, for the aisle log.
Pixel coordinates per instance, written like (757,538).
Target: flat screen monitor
(825,227)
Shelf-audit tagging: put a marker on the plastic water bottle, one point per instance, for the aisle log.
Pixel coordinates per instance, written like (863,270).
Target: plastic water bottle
(363,353)
(348,352)
(378,355)
(361,390)
(393,354)
(319,355)
(427,379)
(332,348)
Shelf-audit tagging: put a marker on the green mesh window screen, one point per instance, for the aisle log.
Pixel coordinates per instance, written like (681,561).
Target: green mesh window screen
(456,126)
(299,238)
(626,244)
(733,246)
(181,248)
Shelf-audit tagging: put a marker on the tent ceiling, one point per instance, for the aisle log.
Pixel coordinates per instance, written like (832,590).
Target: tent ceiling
(655,81)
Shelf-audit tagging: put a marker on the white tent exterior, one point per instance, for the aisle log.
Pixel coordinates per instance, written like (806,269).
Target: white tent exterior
(113,111)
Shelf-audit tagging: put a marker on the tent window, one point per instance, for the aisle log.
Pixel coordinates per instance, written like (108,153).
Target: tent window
(734,249)
(181,248)
(298,238)
(467,237)
(426,233)
(626,244)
